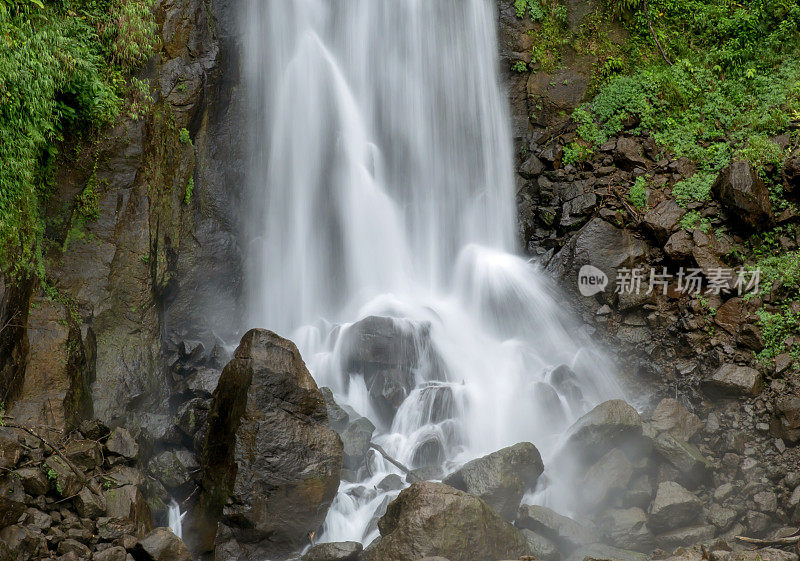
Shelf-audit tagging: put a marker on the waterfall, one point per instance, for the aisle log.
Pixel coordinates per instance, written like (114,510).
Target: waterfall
(382,185)
(175,518)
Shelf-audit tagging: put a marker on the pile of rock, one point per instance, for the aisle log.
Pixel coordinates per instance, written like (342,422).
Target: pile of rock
(77,500)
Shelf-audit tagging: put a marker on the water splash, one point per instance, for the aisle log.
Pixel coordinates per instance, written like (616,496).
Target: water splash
(383,186)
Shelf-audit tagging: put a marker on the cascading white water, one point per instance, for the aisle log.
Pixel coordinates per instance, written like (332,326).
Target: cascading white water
(383,186)
(175,518)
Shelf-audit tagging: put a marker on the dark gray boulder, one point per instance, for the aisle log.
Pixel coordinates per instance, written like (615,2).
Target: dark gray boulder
(742,192)
(270,464)
(673,507)
(355,440)
(501,477)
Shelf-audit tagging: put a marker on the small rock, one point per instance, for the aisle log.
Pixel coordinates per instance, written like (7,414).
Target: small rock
(626,528)
(93,429)
(721,517)
(111,554)
(663,219)
(122,443)
(356,439)
(685,457)
(766,501)
(540,547)
(670,416)
(89,505)
(391,482)
(33,480)
(684,537)
(679,246)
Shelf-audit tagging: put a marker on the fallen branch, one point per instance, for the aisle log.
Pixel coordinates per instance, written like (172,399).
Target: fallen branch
(788,540)
(653,33)
(81,476)
(410,476)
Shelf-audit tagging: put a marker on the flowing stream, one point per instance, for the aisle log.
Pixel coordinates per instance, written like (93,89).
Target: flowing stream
(383,185)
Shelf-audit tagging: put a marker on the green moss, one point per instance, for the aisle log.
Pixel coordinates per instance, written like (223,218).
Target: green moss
(62,70)
(187,195)
(183,136)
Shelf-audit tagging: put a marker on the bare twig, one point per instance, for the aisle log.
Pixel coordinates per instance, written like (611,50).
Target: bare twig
(81,476)
(411,477)
(788,540)
(653,33)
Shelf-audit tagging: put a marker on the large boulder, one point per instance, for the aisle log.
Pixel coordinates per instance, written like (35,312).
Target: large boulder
(387,352)
(612,423)
(161,545)
(334,551)
(567,533)
(429,519)
(672,417)
(732,379)
(626,528)
(742,192)
(673,507)
(270,464)
(605,480)
(500,478)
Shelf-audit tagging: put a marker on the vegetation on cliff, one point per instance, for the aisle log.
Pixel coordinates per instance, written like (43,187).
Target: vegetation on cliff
(64,69)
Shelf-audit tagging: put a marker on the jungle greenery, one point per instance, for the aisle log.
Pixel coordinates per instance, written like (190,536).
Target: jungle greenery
(65,68)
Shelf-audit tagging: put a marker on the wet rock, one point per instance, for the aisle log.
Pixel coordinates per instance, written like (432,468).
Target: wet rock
(639,492)
(609,424)
(791,175)
(673,507)
(122,443)
(192,416)
(33,480)
(731,315)
(500,478)
(679,246)
(62,477)
(334,551)
(435,519)
(127,510)
(672,417)
(742,192)
(531,167)
(173,468)
(161,545)
(629,154)
(599,244)
(338,418)
(663,219)
(386,351)
(22,543)
(540,547)
(355,440)
(721,517)
(270,462)
(391,482)
(10,449)
(562,530)
(683,537)
(12,501)
(602,552)
(605,480)
(733,379)
(73,546)
(766,501)
(786,421)
(89,505)
(93,429)
(685,457)
(115,553)
(84,454)
(626,528)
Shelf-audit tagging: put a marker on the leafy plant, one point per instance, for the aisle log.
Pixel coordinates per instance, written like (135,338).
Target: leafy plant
(187,196)
(183,136)
(637,195)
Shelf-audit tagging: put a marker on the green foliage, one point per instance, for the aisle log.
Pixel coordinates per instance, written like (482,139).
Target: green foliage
(637,195)
(693,219)
(695,188)
(187,196)
(776,328)
(62,68)
(734,82)
(532,8)
(575,152)
(183,136)
(519,66)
